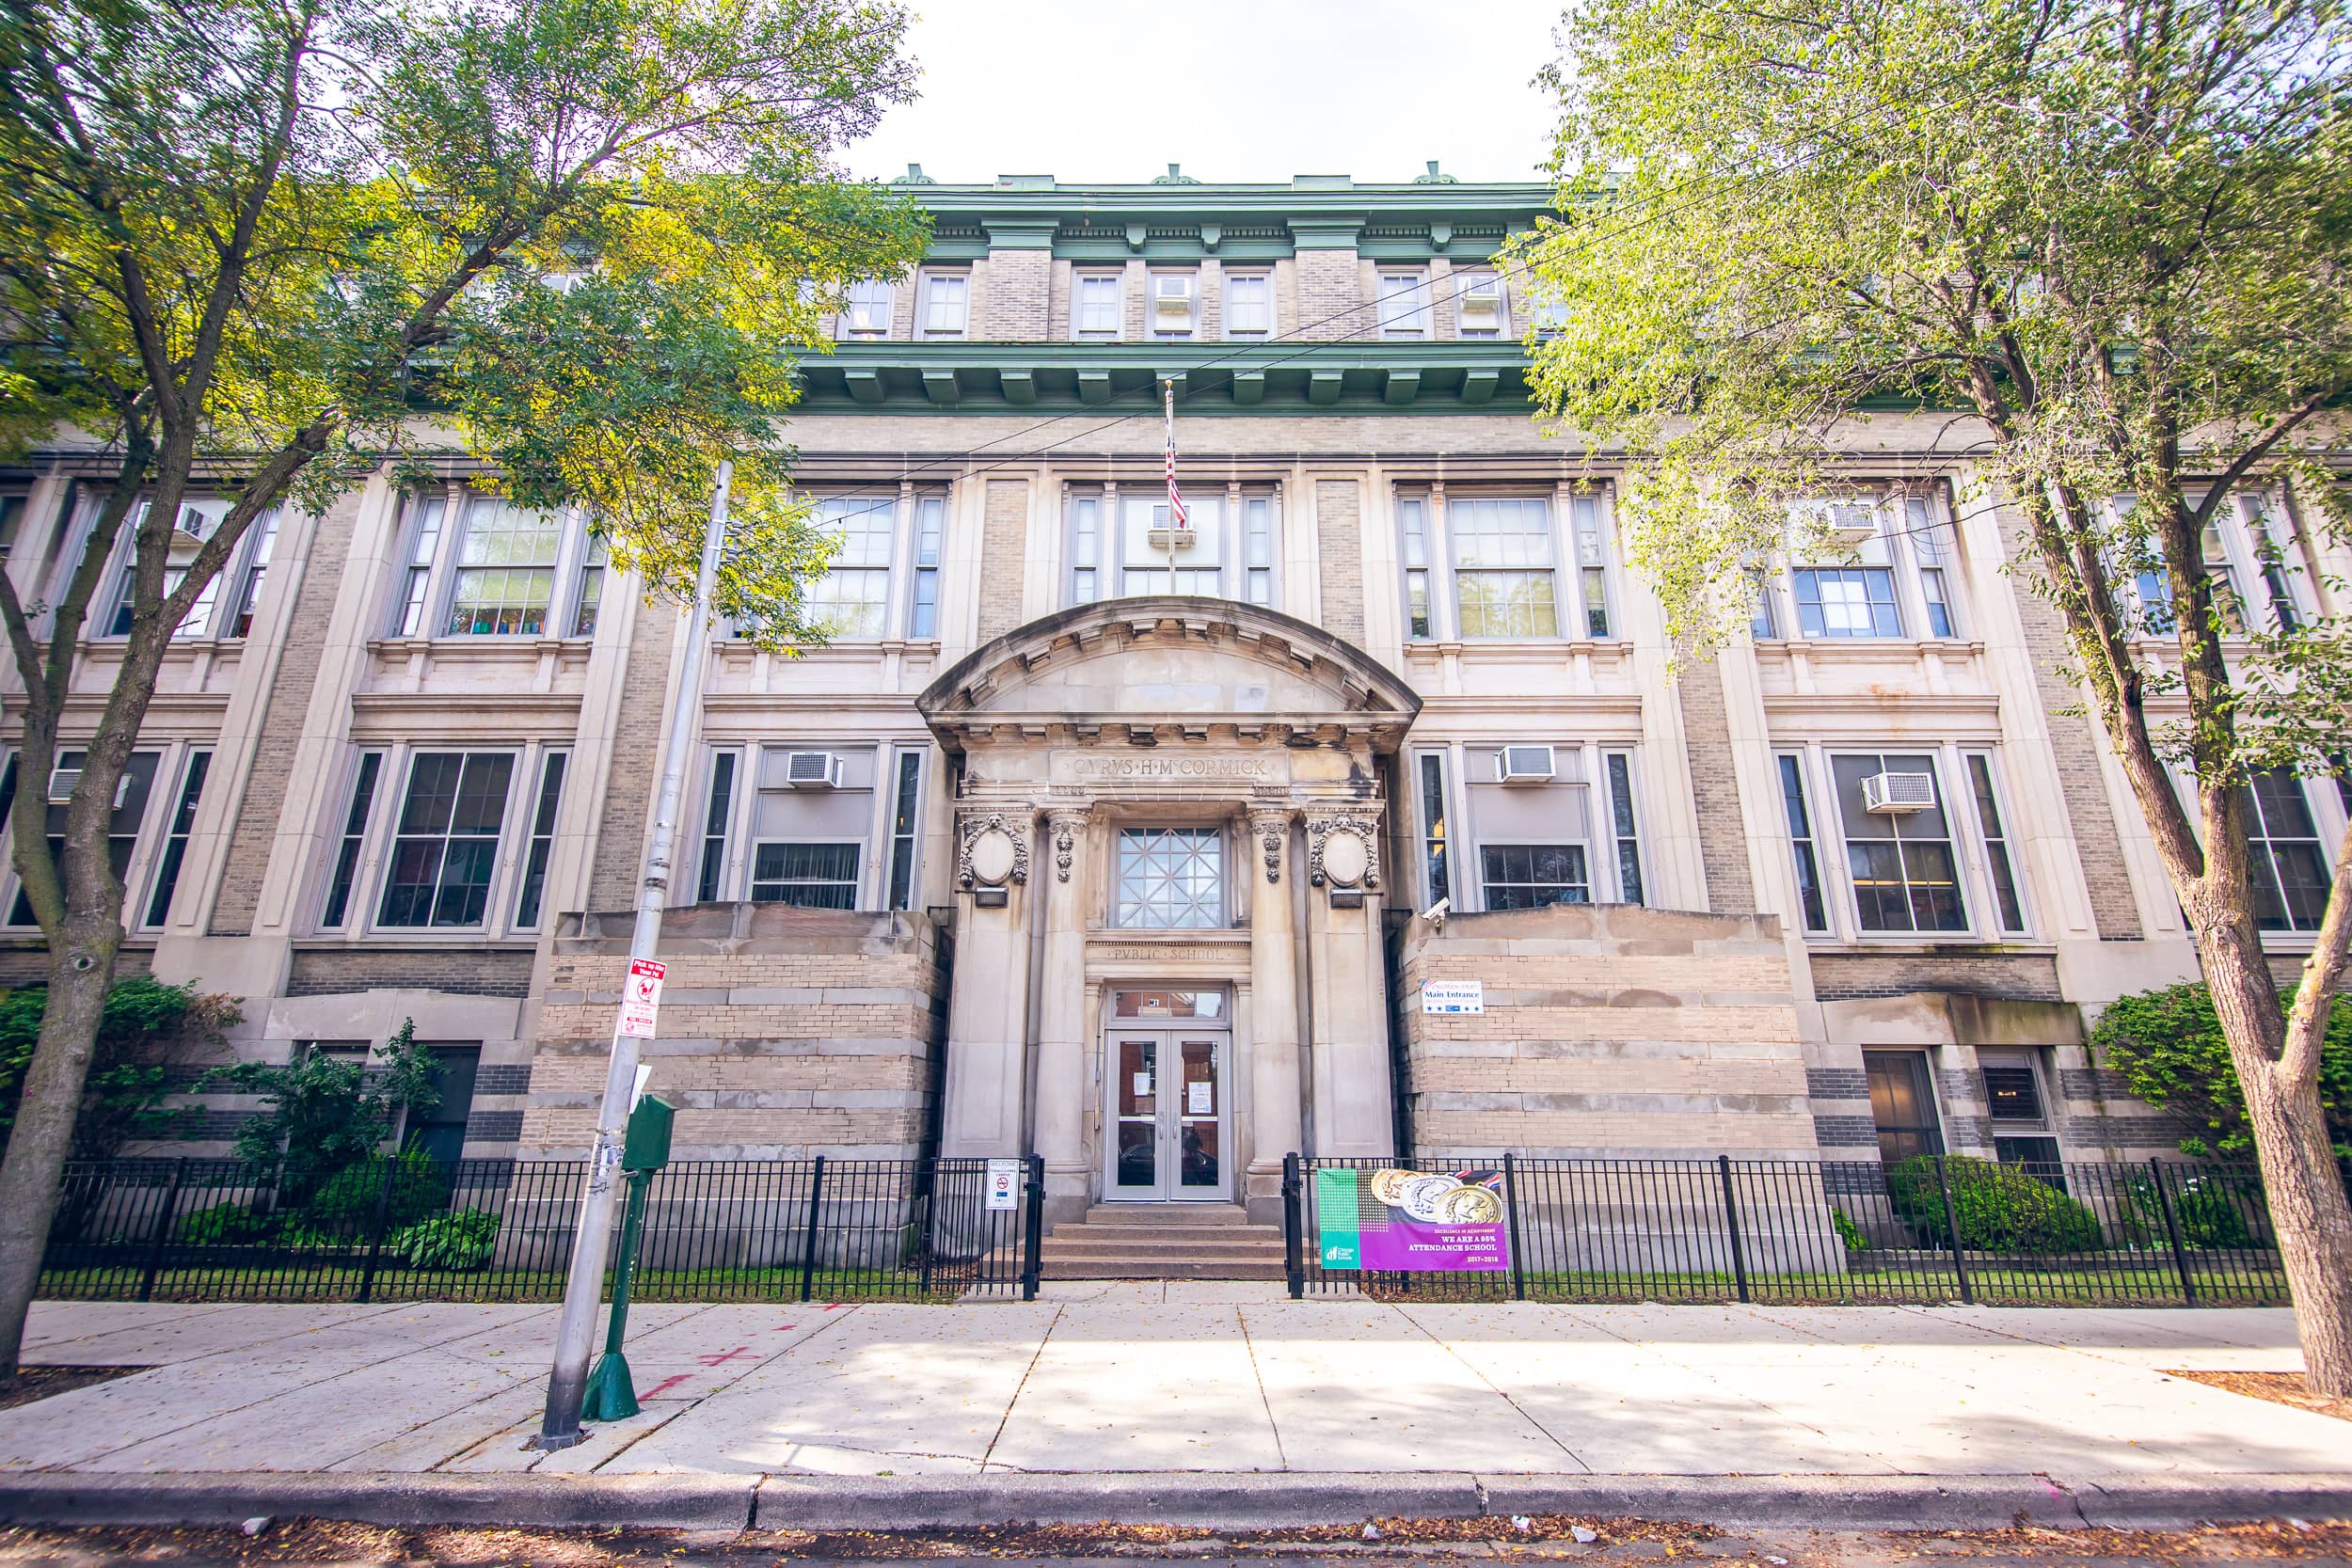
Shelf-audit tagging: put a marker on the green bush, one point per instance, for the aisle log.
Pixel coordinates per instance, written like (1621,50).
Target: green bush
(2168,1047)
(2210,1207)
(1849,1232)
(226,1225)
(344,1205)
(460,1241)
(2000,1208)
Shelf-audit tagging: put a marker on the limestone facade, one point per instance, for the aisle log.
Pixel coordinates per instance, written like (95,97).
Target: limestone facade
(1055,848)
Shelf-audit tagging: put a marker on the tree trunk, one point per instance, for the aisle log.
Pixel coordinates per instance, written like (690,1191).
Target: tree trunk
(2308,1211)
(81,969)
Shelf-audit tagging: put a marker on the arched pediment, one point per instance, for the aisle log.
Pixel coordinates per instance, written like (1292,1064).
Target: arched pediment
(1173,663)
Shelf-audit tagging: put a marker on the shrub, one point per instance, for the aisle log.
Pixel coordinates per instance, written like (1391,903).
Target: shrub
(460,1241)
(226,1225)
(2000,1208)
(345,1204)
(2212,1207)
(2168,1047)
(1848,1231)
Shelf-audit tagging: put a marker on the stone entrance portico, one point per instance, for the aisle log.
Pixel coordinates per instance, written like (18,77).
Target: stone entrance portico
(1169,795)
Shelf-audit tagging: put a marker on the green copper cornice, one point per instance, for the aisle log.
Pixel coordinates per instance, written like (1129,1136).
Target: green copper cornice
(1211,378)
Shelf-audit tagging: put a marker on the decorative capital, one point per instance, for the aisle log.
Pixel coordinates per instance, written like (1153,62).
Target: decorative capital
(1063,828)
(1343,851)
(993,849)
(1271,829)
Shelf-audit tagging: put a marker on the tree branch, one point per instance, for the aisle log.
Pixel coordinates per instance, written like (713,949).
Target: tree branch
(2323,975)
(2280,429)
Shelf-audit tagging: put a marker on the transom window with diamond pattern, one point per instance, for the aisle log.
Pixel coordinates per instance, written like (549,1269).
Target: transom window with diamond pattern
(1171,878)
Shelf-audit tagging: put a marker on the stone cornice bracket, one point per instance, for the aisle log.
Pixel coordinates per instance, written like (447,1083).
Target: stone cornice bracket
(993,849)
(1271,829)
(1064,827)
(1343,851)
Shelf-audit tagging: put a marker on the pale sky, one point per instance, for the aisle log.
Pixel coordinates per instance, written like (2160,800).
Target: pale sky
(1112,91)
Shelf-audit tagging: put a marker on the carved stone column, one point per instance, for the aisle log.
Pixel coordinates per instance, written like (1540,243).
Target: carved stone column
(988,1005)
(1063,1025)
(1347,1002)
(1274,1085)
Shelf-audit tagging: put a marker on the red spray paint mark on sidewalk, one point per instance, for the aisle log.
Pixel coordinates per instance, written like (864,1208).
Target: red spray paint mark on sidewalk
(670,1381)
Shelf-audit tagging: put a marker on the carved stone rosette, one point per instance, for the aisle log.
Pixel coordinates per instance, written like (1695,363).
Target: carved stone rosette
(1065,827)
(1343,851)
(979,824)
(1270,829)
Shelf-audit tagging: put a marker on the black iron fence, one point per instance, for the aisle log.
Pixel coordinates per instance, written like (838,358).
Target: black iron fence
(1934,1228)
(416,1230)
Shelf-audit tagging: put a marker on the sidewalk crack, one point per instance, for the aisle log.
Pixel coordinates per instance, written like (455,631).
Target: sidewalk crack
(1280,1454)
(1042,1340)
(1467,1365)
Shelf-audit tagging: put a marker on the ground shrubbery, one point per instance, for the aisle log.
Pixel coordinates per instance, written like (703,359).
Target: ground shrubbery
(1998,1207)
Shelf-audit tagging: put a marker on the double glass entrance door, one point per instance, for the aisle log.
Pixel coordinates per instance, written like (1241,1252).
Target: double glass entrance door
(1167,1125)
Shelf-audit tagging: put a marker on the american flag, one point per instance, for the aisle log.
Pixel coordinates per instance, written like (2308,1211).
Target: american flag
(1176,518)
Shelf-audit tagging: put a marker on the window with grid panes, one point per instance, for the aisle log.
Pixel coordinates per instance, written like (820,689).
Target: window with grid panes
(1171,878)
(1905,876)
(947,304)
(505,572)
(1257,549)
(2287,871)
(122,824)
(809,876)
(1590,569)
(1846,599)
(588,603)
(868,313)
(1401,305)
(1530,876)
(852,597)
(445,848)
(1099,309)
(1144,567)
(1249,299)
(1086,549)
(1931,546)
(2272,543)
(930,514)
(1412,517)
(1503,580)
(424,543)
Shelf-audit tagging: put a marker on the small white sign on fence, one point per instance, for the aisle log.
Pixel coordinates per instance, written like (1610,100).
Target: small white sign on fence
(1454,996)
(1004,1183)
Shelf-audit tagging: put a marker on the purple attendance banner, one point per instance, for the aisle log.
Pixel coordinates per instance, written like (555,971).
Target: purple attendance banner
(1410,1221)
(1410,1245)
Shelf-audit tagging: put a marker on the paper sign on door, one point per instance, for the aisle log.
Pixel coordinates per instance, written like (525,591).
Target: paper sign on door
(1197,1099)
(1143,1085)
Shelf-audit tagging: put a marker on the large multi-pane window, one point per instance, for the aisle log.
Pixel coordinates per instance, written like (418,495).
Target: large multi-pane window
(1503,577)
(1808,864)
(122,824)
(1905,875)
(1121,545)
(2287,869)
(1846,601)
(1529,876)
(1154,559)
(1865,567)
(1171,878)
(198,518)
(504,579)
(852,597)
(445,848)
(176,835)
(811,876)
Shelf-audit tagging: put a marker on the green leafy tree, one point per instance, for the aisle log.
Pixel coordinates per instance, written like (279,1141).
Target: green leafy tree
(324,1115)
(283,245)
(145,1023)
(2168,1046)
(2098,247)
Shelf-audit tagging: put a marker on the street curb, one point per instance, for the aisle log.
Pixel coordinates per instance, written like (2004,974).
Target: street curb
(1226,1501)
(656,1502)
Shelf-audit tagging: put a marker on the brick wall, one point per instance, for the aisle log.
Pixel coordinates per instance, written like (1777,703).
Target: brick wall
(1609,1030)
(783,1032)
(1707,754)
(463,972)
(629,778)
(283,721)
(2074,742)
(1330,295)
(1340,548)
(2022,976)
(1014,288)
(1004,555)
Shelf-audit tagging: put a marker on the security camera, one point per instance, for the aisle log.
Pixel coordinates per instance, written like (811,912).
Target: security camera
(1436,912)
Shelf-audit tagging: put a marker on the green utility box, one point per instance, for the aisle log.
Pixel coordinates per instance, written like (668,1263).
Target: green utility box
(646,1143)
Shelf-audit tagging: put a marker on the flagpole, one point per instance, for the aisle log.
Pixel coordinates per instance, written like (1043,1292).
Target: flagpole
(583,1285)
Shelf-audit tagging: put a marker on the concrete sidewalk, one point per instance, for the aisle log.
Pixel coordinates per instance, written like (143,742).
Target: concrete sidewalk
(1140,1396)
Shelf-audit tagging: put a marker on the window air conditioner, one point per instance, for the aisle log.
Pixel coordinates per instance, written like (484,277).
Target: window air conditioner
(1527,765)
(812,770)
(62,783)
(1160,537)
(1481,310)
(1171,304)
(1897,794)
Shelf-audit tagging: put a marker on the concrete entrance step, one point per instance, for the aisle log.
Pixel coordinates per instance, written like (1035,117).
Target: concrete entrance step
(1167,1214)
(1163,1240)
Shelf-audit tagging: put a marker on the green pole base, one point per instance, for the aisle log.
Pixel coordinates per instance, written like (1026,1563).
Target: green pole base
(611,1394)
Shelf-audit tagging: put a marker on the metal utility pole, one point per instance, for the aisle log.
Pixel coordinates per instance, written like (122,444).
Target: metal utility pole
(584,1287)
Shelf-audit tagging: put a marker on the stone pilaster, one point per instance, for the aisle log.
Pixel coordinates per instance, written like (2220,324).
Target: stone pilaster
(1063,879)
(1274,1087)
(1347,1008)
(988,1006)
